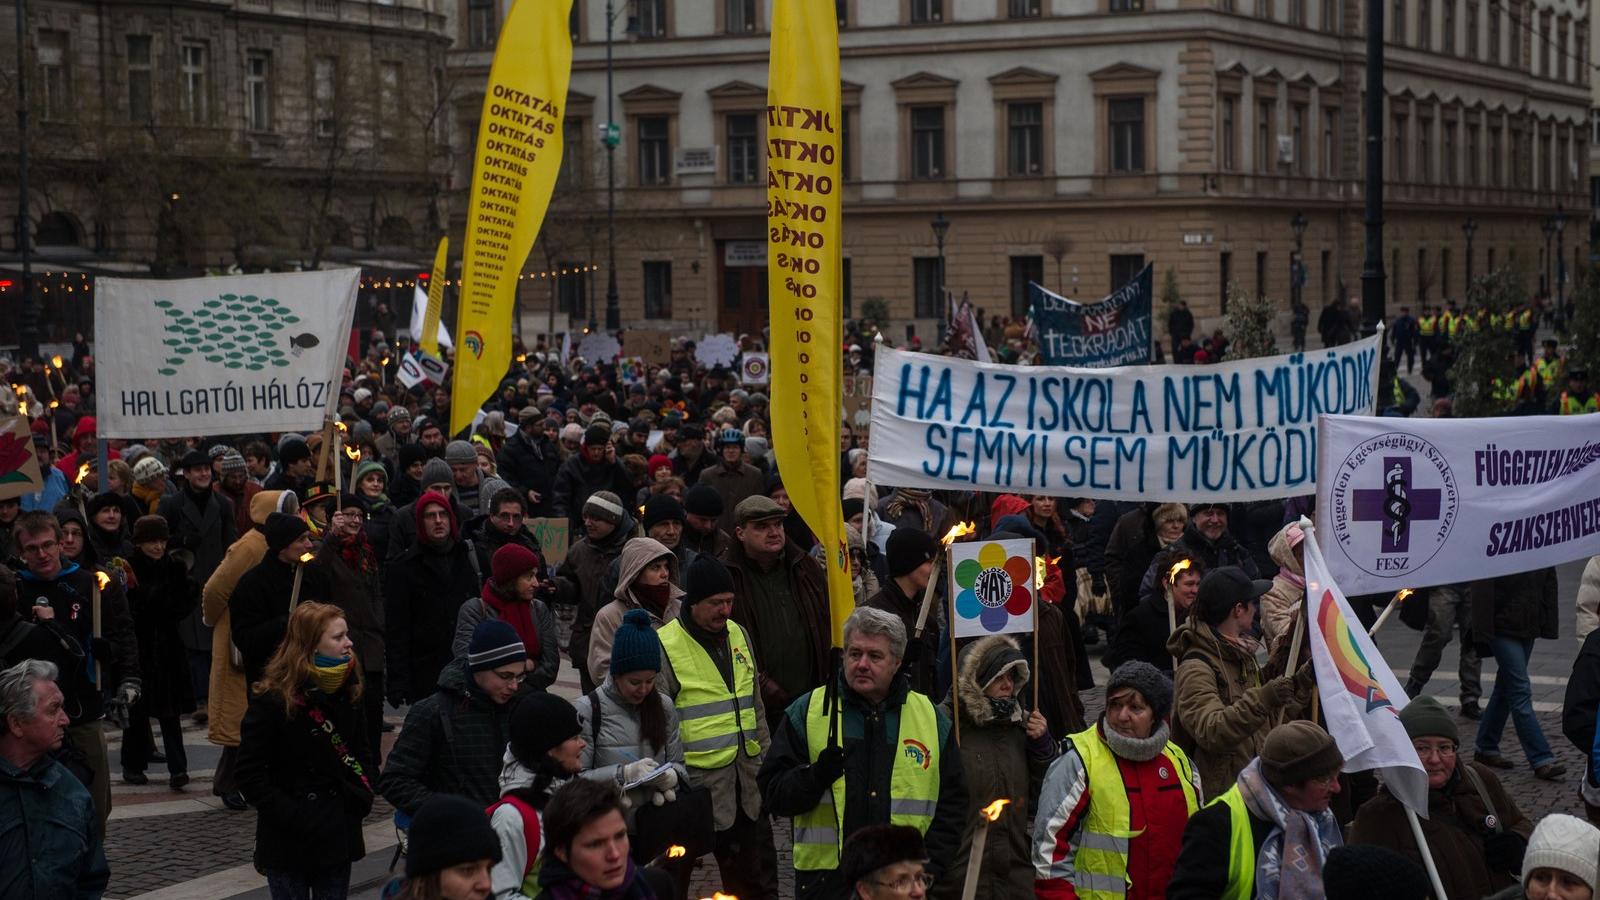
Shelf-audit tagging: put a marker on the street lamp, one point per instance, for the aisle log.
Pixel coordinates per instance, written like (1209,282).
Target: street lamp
(28,326)
(1296,266)
(1548,226)
(941,227)
(1560,269)
(1469,228)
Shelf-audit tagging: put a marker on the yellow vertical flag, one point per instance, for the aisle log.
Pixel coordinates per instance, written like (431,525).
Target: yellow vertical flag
(803,272)
(518,156)
(429,339)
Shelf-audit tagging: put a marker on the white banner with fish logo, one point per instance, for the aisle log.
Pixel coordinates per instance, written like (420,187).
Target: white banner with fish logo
(226,355)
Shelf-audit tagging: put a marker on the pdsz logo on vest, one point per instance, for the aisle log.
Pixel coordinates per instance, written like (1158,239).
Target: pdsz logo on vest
(1394,503)
(917,752)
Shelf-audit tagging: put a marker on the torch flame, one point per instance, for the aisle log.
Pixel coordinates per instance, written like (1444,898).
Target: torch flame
(102,579)
(675,851)
(341,427)
(306,557)
(352,452)
(22,389)
(958,530)
(54,403)
(720,896)
(522,357)
(1403,593)
(83,472)
(385,361)
(1177,567)
(1038,572)
(56,360)
(992,811)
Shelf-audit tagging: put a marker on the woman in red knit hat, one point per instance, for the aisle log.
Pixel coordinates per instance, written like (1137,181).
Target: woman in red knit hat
(516,578)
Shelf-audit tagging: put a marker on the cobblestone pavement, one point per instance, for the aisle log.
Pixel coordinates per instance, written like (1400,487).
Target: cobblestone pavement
(186,845)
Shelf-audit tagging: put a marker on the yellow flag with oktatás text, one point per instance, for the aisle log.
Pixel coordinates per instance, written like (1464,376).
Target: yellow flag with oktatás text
(518,156)
(803,272)
(429,338)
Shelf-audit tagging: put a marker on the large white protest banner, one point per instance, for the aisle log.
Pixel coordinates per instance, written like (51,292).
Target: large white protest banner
(205,356)
(1361,698)
(1410,503)
(1243,430)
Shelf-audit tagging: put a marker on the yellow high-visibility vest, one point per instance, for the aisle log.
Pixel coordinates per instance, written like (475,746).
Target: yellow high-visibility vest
(713,721)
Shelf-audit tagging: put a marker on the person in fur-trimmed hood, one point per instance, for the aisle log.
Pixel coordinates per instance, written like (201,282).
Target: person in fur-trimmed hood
(647,578)
(1005,748)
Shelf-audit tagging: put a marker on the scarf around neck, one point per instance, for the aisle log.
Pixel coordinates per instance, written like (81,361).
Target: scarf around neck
(913,497)
(1136,749)
(517,614)
(1289,865)
(357,553)
(561,883)
(1298,581)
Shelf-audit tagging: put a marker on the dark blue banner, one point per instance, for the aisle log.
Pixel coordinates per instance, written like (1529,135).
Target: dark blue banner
(1112,332)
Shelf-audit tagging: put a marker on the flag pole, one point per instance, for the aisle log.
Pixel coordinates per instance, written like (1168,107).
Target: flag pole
(955,695)
(1427,853)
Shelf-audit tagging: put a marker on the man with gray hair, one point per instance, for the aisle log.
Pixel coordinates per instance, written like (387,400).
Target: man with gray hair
(47,818)
(893,760)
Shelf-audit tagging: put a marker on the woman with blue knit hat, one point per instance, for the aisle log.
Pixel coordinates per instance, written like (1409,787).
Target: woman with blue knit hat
(632,728)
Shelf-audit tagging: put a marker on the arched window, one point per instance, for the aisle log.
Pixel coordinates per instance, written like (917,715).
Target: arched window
(58,229)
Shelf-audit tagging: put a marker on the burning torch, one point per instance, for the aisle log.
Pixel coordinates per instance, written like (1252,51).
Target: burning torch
(299,573)
(980,836)
(1394,604)
(960,529)
(101,582)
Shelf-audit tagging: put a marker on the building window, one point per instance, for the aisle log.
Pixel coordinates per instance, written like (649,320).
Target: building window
(1545,31)
(1561,50)
(1327,267)
(1023,9)
(1444,273)
(574,155)
(482,23)
(1447,148)
(324,90)
(744,167)
(1394,276)
(846,275)
(1124,268)
(1261,274)
(258,91)
(650,18)
(1266,144)
(742,16)
(1125,116)
(572,288)
(1448,20)
(1024,269)
(846,159)
(1397,21)
(1228,133)
(1425,24)
(655,158)
(1496,152)
(1424,151)
(925,287)
(1399,169)
(1024,138)
(1472,28)
(1224,279)
(927,142)
(192,88)
(1330,143)
(657,289)
(574,21)
(1127,5)
(140,106)
(841,9)
(1494,33)
(924,11)
(389,97)
(1514,31)
(1297,138)
(1474,164)
(55,77)
(1297,13)
(1330,16)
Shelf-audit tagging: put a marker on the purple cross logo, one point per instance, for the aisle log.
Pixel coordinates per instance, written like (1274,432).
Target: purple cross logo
(1397,504)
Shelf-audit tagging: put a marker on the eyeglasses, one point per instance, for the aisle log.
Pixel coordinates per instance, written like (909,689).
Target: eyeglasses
(41,549)
(1327,781)
(1443,751)
(905,883)
(510,677)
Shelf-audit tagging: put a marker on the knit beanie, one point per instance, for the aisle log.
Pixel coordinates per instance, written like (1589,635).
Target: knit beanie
(703,500)
(150,528)
(233,462)
(908,548)
(1154,687)
(876,847)
(281,530)
(366,468)
(148,469)
(658,462)
(1567,843)
(853,507)
(410,455)
(437,471)
(399,414)
(446,831)
(605,506)
(597,435)
(494,643)
(460,453)
(292,451)
(541,722)
(511,561)
(706,577)
(635,647)
(662,508)
(1299,751)
(1426,717)
(1352,871)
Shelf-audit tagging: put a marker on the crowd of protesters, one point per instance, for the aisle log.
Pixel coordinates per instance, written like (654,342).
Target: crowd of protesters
(285,590)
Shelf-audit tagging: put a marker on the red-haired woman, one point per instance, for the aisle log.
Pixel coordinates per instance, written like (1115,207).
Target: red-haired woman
(303,762)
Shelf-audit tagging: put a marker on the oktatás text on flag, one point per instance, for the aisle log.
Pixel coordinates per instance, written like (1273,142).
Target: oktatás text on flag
(1244,430)
(1420,502)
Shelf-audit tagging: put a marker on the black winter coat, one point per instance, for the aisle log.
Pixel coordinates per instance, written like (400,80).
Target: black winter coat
(309,790)
(259,611)
(531,464)
(1201,872)
(576,480)
(1523,607)
(1582,699)
(1142,634)
(207,534)
(1133,544)
(453,741)
(51,643)
(359,595)
(71,594)
(403,528)
(163,597)
(423,590)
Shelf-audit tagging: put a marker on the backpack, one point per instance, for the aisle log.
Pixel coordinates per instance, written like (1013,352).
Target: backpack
(532,838)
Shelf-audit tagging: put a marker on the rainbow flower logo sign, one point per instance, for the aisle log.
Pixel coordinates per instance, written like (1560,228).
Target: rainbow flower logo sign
(992,587)
(19,468)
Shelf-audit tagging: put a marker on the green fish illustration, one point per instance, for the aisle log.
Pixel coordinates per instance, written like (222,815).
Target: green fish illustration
(168,371)
(163,303)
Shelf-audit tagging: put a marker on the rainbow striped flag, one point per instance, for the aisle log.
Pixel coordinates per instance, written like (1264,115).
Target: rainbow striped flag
(1361,698)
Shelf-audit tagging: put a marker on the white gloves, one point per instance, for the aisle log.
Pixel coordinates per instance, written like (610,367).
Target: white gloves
(634,771)
(662,798)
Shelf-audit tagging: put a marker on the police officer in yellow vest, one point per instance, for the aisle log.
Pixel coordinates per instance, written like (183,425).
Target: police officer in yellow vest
(1577,399)
(897,761)
(709,670)
(1550,364)
(1428,332)
(1114,805)
(1276,810)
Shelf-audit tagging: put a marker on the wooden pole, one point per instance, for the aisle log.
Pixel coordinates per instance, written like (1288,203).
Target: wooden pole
(955,665)
(322,451)
(1037,665)
(1427,853)
(927,593)
(99,666)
